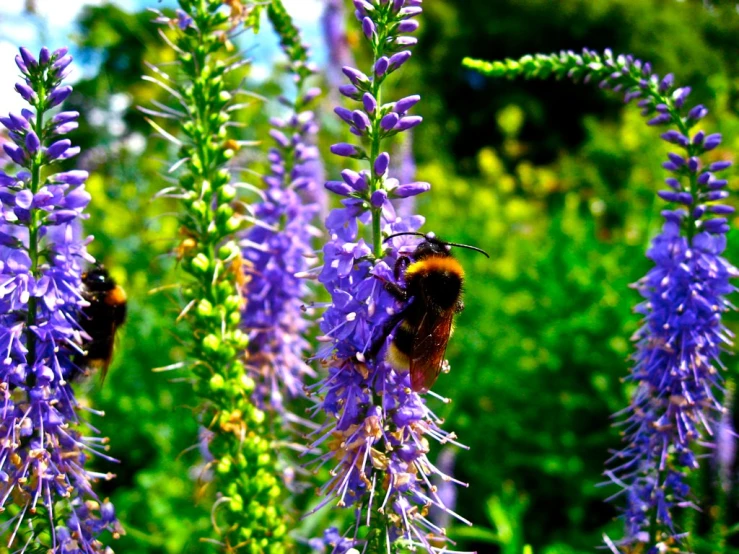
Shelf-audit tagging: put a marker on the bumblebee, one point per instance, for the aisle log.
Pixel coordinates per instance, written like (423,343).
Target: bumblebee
(101,319)
(434,281)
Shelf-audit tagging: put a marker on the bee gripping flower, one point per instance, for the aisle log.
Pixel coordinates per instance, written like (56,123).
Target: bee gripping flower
(378,433)
(45,445)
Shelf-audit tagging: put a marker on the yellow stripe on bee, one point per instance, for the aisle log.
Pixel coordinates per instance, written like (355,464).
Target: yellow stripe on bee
(116,297)
(396,358)
(433,264)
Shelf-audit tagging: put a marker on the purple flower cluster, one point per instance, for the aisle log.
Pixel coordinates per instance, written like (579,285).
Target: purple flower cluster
(677,402)
(378,430)
(43,451)
(279,249)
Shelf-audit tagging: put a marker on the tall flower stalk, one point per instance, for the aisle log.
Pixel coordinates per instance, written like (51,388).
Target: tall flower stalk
(378,429)
(46,491)
(279,247)
(247,513)
(677,405)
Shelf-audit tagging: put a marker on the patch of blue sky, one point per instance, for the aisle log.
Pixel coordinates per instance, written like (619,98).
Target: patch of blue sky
(54,25)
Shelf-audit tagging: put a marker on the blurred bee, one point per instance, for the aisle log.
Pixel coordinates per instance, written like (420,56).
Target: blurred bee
(101,319)
(433,283)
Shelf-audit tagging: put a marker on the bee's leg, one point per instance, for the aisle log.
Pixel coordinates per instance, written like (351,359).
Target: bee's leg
(401,265)
(459,306)
(397,291)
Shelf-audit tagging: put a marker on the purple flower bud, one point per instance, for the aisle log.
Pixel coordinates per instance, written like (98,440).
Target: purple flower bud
(408,122)
(370,104)
(675,137)
(61,64)
(33,144)
(716,225)
(698,112)
(676,159)
(280,138)
(693,164)
(396,60)
(674,183)
(346,150)
(411,11)
(339,187)
(66,128)
(57,149)
(698,138)
(408,26)
(378,198)
(21,65)
(357,78)
(381,66)
(28,59)
(712,141)
(74,177)
(680,95)
(404,104)
(397,5)
(64,117)
(721,209)
(58,217)
(667,82)
(344,114)
(406,41)
(360,119)
(350,91)
(368,28)
(389,121)
(59,95)
(14,153)
(382,163)
(661,119)
(26,92)
(352,178)
(719,166)
(411,189)
(44,56)
(24,199)
(716,195)
(311,94)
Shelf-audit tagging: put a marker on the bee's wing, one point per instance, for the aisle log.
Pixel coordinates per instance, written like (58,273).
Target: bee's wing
(105,360)
(429,348)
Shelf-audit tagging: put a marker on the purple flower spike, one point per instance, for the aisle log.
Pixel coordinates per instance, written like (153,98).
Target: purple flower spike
(280,249)
(363,395)
(43,462)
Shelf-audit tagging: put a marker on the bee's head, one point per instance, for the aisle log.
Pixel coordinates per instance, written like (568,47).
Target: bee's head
(431,246)
(434,246)
(98,279)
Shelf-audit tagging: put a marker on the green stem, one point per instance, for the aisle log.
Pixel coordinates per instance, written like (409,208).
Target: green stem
(33,251)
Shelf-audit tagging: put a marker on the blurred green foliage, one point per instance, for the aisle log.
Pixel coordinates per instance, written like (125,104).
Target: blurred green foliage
(555,180)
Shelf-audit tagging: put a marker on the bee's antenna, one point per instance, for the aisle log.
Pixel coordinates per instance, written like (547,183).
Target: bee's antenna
(467,246)
(431,235)
(404,234)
